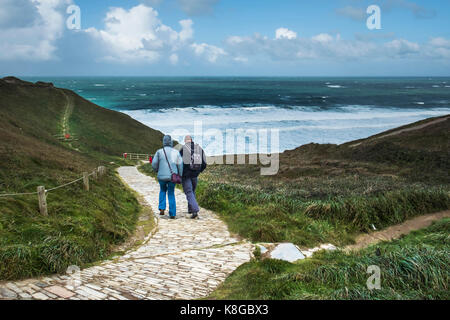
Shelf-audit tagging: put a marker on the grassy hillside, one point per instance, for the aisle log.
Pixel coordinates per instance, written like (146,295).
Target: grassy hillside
(413,267)
(81,226)
(107,132)
(330,193)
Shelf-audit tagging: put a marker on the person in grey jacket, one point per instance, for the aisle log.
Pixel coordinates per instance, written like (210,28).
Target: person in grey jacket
(161,166)
(194,160)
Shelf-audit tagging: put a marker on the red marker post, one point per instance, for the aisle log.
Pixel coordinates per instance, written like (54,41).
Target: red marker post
(125,155)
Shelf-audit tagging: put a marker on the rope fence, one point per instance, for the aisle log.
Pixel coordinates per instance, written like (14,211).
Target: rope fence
(42,192)
(64,185)
(99,172)
(17,194)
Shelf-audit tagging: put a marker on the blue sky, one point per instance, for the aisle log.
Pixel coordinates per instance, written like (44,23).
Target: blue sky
(225,37)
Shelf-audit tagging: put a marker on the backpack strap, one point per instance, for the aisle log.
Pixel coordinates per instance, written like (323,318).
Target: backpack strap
(170,168)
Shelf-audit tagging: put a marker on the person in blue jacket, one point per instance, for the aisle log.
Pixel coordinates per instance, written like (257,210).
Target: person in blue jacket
(166,161)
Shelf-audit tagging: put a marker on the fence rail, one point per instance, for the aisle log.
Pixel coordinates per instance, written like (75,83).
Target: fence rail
(138,156)
(66,137)
(42,192)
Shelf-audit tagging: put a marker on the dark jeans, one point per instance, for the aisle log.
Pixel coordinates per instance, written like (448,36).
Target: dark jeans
(189,186)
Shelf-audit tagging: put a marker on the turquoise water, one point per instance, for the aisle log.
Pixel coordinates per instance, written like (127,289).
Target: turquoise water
(304,110)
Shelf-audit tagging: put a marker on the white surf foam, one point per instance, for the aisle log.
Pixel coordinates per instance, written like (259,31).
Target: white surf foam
(298,125)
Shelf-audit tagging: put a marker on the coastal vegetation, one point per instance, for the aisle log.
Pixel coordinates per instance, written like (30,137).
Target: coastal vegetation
(321,194)
(330,194)
(413,267)
(82,227)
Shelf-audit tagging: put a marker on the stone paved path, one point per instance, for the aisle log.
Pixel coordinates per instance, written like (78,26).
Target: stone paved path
(182,259)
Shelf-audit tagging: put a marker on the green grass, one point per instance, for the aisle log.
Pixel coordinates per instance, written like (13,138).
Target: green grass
(148,170)
(273,217)
(413,267)
(330,193)
(82,227)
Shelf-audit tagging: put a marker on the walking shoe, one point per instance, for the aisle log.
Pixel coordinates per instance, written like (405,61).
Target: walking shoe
(194,215)
(172,217)
(161,212)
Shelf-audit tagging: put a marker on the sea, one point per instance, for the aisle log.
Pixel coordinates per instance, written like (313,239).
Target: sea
(292,111)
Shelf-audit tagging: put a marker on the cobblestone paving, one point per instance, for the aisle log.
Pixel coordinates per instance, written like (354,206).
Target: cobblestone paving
(182,259)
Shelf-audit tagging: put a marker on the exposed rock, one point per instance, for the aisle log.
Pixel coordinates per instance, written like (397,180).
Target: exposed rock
(262,248)
(287,252)
(328,246)
(308,253)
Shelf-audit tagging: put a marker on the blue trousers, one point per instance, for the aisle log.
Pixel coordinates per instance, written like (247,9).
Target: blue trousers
(167,187)
(189,186)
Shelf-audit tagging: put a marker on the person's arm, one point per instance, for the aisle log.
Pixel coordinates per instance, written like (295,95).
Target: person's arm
(155,163)
(180,164)
(204,163)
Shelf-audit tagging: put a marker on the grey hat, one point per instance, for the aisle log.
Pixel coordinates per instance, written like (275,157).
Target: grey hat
(167,141)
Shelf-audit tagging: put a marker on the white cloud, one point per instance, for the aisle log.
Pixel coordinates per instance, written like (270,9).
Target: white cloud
(187,32)
(207,51)
(438,48)
(401,47)
(440,42)
(323,38)
(33,30)
(30,28)
(284,33)
(18,14)
(331,47)
(138,35)
(173,58)
(240,59)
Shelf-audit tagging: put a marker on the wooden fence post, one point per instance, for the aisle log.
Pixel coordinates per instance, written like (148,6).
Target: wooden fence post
(94,174)
(42,200)
(86,181)
(101,171)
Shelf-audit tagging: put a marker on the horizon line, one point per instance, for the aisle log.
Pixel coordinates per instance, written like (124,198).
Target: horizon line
(226,76)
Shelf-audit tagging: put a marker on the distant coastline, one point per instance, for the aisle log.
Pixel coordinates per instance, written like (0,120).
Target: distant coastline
(304,109)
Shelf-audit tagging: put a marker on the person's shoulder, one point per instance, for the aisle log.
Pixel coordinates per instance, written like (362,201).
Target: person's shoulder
(200,148)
